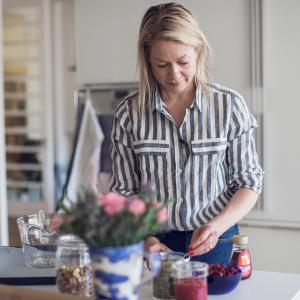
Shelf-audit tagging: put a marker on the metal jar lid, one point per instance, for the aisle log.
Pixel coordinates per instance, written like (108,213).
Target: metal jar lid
(240,239)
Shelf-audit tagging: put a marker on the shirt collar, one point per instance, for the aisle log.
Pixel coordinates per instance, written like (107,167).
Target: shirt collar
(158,101)
(158,104)
(198,98)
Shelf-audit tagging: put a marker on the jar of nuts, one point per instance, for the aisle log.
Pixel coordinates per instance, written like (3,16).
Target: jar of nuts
(74,273)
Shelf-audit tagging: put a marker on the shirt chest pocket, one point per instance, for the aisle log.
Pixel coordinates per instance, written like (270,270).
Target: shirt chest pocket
(151,158)
(206,147)
(207,154)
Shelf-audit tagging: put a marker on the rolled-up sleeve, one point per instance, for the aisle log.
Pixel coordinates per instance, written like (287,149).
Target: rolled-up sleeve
(244,168)
(124,179)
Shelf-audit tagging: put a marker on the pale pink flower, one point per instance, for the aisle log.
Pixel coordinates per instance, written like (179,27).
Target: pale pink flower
(137,206)
(111,210)
(112,202)
(162,215)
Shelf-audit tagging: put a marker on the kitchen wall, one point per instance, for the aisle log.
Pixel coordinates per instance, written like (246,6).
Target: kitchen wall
(106,35)
(274,249)
(107,32)
(108,29)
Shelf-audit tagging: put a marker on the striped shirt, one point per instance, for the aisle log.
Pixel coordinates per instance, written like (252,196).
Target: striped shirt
(200,165)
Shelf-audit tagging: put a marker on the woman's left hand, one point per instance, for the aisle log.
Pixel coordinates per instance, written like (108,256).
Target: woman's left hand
(204,239)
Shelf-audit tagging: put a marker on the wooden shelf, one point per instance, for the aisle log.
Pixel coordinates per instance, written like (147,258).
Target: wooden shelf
(23,149)
(24,184)
(23,167)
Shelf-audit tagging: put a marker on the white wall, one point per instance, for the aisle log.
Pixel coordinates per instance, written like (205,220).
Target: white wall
(282,107)
(107,32)
(278,249)
(275,250)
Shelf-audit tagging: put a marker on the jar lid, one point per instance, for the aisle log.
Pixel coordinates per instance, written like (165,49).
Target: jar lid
(240,239)
(170,256)
(71,240)
(187,269)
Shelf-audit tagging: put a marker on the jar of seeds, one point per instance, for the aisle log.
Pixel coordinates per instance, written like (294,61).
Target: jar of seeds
(163,283)
(73,267)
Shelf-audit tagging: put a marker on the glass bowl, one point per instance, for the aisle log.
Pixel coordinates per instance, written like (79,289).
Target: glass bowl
(38,239)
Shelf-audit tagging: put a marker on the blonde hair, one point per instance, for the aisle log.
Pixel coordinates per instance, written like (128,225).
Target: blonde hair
(169,21)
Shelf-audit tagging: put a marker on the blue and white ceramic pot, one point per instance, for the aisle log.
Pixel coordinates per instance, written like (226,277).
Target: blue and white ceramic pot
(118,271)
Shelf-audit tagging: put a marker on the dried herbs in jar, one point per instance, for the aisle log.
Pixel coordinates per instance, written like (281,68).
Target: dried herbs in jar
(163,283)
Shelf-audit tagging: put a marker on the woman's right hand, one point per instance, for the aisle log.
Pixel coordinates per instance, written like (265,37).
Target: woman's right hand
(153,245)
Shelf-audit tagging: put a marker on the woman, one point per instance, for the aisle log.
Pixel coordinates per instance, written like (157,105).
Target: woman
(191,137)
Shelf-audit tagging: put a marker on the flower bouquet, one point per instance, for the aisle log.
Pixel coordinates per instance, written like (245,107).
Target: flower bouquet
(110,219)
(114,227)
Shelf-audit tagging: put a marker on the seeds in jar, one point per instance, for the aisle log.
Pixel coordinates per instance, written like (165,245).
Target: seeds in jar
(75,280)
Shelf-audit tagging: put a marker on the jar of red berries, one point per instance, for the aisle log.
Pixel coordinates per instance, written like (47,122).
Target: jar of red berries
(190,280)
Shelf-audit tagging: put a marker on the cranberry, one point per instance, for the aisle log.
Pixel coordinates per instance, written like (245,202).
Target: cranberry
(222,270)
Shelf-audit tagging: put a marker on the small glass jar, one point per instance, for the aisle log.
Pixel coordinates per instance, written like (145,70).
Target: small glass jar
(73,267)
(163,283)
(190,280)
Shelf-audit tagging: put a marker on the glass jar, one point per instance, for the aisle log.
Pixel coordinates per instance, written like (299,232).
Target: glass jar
(163,283)
(190,280)
(73,267)
(241,255)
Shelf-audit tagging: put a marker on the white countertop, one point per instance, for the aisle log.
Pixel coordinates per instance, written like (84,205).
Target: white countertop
(261,285)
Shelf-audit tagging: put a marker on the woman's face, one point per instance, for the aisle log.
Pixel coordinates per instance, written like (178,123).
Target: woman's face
(173,65)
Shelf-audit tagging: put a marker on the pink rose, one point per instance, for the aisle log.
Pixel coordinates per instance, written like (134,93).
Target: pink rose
(112,202)
(162,215)
(137,206)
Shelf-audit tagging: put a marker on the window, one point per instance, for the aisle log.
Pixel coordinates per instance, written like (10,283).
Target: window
(27,135)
